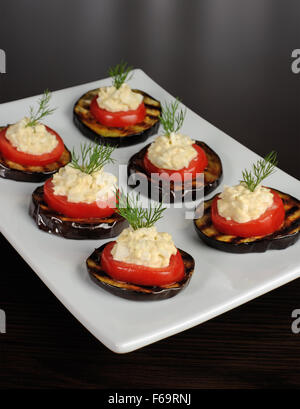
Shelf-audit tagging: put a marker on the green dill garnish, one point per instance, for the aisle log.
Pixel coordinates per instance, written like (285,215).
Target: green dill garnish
(120,73)
(262,169)
(42,111)
(170,119)
(130,208)
(92,157)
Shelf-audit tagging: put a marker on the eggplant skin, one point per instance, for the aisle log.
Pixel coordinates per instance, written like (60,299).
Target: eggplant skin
(134,291)
(120,137)
(282,238)
(33,174)
(213,175)
(53,222)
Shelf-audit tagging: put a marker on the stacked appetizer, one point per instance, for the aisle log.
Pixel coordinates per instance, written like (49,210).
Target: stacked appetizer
(174,166)
(117,114)
(78,202)
(250,217)
(142,263)
(29,150)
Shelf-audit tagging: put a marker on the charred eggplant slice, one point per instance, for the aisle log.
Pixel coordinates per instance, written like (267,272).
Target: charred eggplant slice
(51,221)
(134,291)
(34,174)
(138,175)
(286,236)
(128,135)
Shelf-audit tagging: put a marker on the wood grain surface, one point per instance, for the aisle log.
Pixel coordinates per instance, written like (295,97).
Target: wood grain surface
(230,62)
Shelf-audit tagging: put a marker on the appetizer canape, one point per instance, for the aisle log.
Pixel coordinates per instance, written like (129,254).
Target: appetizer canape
(29,150)
(117,114)
(142,264)
(78,202)
(250,217)
(174,166)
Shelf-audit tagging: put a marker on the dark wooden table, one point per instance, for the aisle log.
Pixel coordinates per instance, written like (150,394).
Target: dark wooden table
(230,62)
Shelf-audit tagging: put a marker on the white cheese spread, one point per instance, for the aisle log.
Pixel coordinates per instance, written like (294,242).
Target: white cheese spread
(172,152)
(121,99)
(82,187)
(35,140)
(238,203)
(145,246)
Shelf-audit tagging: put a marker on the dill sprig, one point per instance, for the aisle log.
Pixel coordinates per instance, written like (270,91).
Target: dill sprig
(262,169)
(170,119)
(42,111)
(92,157)
(130,208)
(119,73)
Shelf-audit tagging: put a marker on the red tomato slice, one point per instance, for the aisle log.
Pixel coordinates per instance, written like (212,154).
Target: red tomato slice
(196,165)
(137,274)
(61,205)
(11,153)
(266,224)
(117,119)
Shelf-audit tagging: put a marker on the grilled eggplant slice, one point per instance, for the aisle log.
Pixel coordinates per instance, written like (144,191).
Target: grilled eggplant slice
(51,221)
(287,235)
(134,291)
(34,174)
(126,136)
(138,175)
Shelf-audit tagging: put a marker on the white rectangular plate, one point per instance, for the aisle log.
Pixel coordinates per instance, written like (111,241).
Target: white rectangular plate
(221,281)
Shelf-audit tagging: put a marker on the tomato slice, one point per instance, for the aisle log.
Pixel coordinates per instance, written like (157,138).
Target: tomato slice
(117,119)
(11,153)
(138,274)
(267,223)
(196,165)
(60,204)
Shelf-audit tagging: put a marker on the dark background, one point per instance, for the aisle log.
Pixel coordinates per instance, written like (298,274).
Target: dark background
(229,61)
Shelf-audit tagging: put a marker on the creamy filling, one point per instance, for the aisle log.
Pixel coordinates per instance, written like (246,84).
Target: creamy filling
(238,203)
(172,152)
(145,246)
(35,140)
(121,99)
(80,187)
